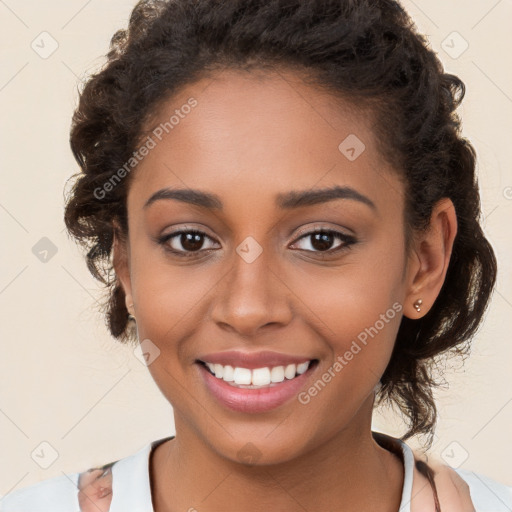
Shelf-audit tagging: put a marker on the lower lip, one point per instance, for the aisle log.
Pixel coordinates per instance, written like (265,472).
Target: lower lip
(254,400)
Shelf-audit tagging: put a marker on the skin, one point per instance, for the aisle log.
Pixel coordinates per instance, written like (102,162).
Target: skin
(453,492)
(95,490)
(248,139)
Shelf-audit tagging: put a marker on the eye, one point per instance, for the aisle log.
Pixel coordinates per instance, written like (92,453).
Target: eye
(321,240)
(185,242)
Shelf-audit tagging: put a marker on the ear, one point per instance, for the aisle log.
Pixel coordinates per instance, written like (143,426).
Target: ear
(429,259)
(121,262)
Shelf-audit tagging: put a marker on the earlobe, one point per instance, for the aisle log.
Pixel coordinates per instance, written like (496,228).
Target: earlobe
(432,253)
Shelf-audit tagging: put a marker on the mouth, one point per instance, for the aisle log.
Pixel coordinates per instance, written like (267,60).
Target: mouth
(253,390)
(257,378)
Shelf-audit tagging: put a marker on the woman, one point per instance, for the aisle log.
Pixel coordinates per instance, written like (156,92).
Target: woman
(278,198)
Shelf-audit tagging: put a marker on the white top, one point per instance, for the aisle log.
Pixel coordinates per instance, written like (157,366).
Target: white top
(131,491)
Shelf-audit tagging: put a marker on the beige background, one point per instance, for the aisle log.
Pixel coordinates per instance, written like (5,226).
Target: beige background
(64,381)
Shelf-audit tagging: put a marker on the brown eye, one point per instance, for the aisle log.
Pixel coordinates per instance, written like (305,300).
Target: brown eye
(191,241)
(322,240)
(184,242)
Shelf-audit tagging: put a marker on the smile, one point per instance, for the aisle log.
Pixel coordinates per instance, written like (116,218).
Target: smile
(255,390)
(258,377)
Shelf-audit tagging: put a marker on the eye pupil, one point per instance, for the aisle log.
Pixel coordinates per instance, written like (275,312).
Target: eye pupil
(322,241)
(191,241)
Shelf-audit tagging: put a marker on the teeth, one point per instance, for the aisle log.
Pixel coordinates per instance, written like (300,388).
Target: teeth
(259,377)
(242,376)
(218,370)
(290,370)
(229,374)
(277,374)
(302,367)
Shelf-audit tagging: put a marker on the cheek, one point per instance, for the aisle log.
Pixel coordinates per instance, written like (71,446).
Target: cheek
(357,309)
(358,323)
(168,295)
(172,303)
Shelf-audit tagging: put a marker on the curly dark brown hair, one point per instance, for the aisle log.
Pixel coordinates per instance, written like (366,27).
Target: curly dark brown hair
(366,51)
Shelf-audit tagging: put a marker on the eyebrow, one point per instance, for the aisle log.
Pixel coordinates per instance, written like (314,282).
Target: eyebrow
(285,201)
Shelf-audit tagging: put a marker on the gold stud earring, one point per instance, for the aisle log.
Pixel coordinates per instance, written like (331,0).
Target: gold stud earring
(417,305)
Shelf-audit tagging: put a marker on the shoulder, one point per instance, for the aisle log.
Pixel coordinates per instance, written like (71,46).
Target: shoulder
(488,495)
(466,491)
(57,494)
(86,491)
(121,485)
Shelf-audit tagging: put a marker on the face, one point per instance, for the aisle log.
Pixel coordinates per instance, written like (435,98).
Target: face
(254,268)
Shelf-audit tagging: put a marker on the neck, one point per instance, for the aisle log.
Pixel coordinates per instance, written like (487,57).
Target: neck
(347,472)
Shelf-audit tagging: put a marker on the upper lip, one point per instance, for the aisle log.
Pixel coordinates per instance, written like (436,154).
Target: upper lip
(252,360)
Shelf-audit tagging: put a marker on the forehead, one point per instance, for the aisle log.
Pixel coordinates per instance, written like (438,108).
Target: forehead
(262,134)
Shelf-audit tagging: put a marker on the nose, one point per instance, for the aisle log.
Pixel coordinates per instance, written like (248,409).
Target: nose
(252,296)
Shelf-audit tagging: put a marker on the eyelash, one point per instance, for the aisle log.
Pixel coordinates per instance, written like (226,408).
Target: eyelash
(347,239)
